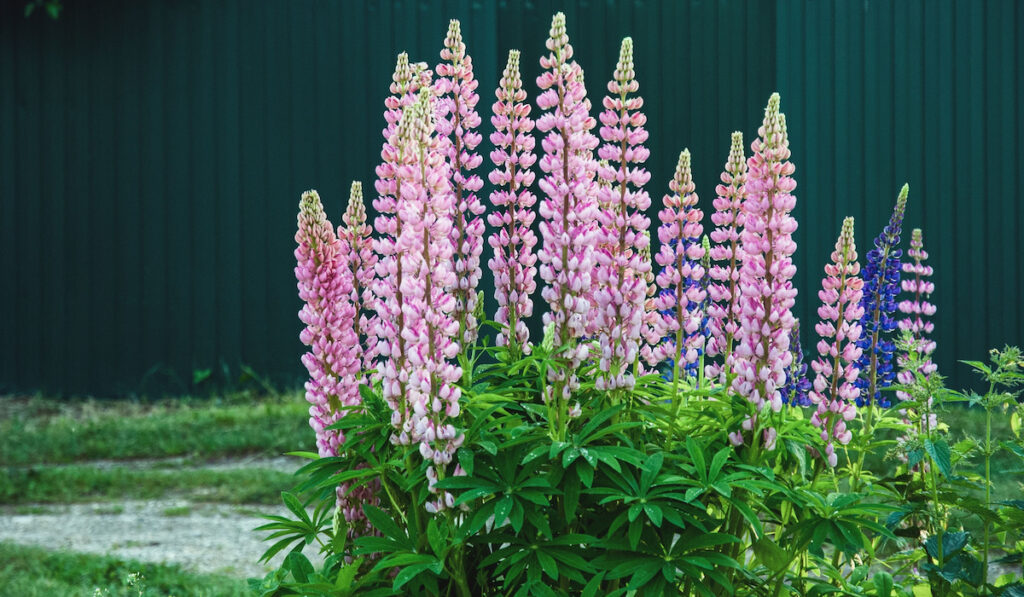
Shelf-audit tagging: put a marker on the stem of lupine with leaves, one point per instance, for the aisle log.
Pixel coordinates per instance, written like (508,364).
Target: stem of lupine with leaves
(622,286)
(514,262)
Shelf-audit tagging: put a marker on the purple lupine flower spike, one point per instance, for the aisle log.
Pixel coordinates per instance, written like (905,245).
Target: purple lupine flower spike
(679,279)
(767,295)
(355,234)
(568,208)
(457,123)
(514,262)
(797,384)
(727,251)
(836,368)
(621,289)
(881,285)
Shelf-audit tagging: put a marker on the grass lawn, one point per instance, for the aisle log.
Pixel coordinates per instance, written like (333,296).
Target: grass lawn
(41,431)
(35,572)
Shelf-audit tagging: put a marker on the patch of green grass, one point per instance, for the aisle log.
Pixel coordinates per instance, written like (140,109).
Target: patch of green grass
(47,431)
(177,511)
(35,572)
(79,484)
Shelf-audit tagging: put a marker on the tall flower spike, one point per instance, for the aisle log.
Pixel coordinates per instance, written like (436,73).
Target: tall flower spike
(767,294)
(881,285)
(918,311)
(355,235)
(836,367)
(621,289)
(513,240)
(325,286)
(680,277)
(727,251)
(457,123)
(568,209)
(426,255)
(389,287)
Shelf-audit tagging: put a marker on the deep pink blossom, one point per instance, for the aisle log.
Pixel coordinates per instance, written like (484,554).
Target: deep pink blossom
(430,331)
(621,286)
(835,393)
(679,279)
(457,121)
(329,313)
(761,348)
(355,235)
(514,262)
(727,251)
(568,209)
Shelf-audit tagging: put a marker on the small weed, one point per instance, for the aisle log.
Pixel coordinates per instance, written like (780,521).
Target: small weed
(177,511)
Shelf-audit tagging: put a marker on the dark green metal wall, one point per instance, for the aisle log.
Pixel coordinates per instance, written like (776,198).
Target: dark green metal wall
(152,154)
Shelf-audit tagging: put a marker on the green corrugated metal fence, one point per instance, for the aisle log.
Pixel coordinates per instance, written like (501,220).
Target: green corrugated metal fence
(152,154)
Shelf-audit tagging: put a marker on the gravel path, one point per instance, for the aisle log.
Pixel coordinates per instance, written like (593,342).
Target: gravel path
(201,537)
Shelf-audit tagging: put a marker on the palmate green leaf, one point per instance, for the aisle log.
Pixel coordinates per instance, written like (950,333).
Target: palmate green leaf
(697,456)
(384,523)
(773,556)
(299,566)
(548,564)
(295,507)
(883,584)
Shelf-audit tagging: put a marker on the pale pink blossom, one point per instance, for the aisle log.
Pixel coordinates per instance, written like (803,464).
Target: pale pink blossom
(457,121)
(761,348)
(621,286)
(514,262)
(727,251)
(355,235)
(834,392)
(568,209)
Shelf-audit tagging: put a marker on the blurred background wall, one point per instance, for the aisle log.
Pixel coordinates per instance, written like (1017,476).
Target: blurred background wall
(152,155)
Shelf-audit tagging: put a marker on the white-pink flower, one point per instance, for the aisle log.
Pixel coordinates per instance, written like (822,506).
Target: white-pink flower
(767,294)
(727,252)
(568,209)
(679,279)
(457,121)
(514,262)
(355,235)
(621,288)
(834,393)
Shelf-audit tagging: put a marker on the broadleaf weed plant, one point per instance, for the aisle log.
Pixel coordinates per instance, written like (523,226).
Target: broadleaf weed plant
(657,440)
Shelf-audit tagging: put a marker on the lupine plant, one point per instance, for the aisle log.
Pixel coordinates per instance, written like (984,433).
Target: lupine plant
(568,465)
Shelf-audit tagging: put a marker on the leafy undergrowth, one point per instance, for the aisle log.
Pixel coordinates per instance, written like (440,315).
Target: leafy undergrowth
(34,572)
(52,432)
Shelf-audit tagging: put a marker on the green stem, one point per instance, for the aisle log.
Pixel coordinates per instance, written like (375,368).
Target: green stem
(868,424)
(988,482)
